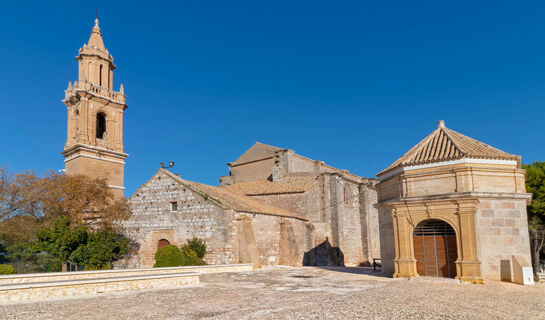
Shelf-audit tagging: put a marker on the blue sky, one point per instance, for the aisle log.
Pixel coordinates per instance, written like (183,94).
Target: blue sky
(355,84)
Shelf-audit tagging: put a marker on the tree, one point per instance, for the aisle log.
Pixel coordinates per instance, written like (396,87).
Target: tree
(197,245)
(79,198)
(103,246)
(535,183)
(29,203)
(92,249)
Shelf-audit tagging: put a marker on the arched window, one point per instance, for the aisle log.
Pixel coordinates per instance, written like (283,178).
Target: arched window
(88,73)
(101,125)
(100,76)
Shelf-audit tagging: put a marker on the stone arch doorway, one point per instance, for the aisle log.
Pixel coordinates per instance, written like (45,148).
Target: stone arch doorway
(162,243)
(435,249)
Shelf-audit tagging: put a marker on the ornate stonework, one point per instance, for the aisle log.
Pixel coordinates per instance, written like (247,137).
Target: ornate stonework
(94,142)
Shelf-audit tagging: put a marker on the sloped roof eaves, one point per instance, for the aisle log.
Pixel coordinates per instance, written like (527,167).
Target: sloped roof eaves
(234,201)
(444,144)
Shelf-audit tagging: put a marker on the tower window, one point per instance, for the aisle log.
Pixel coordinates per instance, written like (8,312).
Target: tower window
(100,76)
(101,125)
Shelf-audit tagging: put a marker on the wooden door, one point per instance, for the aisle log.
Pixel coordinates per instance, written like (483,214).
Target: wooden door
(435,249)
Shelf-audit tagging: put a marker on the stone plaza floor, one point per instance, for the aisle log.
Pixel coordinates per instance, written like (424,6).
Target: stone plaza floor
(301,293)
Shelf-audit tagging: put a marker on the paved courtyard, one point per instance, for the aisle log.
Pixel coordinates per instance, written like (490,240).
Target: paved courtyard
(301,293)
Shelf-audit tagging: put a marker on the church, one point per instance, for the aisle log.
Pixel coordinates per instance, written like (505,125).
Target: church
(451,206)
(274,207)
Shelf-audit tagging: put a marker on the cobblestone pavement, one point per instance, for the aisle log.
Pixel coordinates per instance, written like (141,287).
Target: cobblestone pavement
(301,293)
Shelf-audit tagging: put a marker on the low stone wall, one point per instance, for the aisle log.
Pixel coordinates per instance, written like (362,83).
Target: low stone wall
(71,288)
(82,275)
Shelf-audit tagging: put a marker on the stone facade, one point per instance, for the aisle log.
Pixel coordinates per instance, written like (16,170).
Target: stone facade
(478,190)
(94,142)
(276,207)
(338,205)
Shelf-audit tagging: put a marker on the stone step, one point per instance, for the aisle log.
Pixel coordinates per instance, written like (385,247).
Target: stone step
(82,275)
(541,277)
(18,292)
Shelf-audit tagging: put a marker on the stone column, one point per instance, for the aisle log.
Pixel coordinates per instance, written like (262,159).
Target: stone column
(468,266)
(405,263)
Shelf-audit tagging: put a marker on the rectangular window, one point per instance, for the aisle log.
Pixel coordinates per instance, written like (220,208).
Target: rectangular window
(174,206)
(345,194)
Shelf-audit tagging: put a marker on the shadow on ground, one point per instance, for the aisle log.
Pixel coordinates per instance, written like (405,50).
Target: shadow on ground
(355,270)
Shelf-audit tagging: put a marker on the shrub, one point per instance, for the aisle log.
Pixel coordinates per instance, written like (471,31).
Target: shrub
(169,256)
(198,246)
(191,258)
(6,269)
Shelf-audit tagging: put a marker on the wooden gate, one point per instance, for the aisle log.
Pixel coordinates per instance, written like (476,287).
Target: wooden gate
(435,249)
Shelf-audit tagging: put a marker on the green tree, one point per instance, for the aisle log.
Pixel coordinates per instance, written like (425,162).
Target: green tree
(92,249)
(535,183)
(197,245)
(103,246)
(60,240)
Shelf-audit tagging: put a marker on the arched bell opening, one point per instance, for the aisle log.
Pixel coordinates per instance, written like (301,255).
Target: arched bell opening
(435,249)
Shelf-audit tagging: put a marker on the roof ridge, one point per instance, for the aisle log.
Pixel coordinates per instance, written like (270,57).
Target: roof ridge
(447,133)
(444,144)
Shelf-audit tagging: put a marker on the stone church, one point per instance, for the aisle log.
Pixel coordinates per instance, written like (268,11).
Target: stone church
(451,206)
(274,207)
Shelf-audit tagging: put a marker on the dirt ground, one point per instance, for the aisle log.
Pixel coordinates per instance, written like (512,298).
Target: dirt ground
(301,293)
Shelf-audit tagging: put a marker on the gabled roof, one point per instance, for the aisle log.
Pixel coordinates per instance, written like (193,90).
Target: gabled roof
(287,185)
(444,144)
(256,152)
(232,200)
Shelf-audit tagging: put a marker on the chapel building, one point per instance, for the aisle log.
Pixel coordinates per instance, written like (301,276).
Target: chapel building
(454,207)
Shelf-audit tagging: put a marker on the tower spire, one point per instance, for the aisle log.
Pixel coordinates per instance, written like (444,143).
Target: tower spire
(96,37)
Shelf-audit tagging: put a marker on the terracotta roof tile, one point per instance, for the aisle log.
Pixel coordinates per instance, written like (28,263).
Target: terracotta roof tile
(232,200)
(444,144)
(287,185)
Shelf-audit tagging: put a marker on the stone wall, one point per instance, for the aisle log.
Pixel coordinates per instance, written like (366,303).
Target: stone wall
(502,232)
(153,220)
(270,238)
(71,288)
(84,275)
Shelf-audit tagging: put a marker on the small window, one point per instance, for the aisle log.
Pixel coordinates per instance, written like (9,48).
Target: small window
(345,194)
(174,206)
(101,125)
(100,76)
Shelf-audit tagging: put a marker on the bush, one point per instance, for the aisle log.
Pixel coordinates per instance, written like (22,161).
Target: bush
(6,269)
(191,258)
(169,256)
(198,246)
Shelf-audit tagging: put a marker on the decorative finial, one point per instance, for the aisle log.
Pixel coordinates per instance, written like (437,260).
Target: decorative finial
(96,23)
(121,89)
(441,124)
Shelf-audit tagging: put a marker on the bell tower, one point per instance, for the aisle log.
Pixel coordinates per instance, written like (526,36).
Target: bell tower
(94,142)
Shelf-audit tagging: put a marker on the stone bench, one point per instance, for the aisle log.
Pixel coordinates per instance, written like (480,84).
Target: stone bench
(19,292)
(82,275)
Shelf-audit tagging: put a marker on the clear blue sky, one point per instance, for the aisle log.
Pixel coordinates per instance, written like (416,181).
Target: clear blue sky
(355,84)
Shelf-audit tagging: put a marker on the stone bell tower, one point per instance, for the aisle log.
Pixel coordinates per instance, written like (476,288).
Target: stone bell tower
(94,142)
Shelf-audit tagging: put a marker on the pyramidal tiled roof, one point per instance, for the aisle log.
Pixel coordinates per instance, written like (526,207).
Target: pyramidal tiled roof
(235,201)
(444,144)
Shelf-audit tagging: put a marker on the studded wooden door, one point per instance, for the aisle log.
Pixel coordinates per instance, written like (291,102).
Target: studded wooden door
(435,249)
